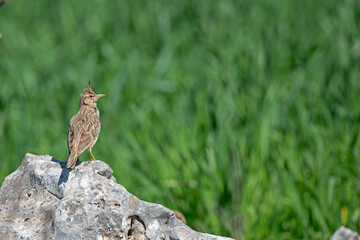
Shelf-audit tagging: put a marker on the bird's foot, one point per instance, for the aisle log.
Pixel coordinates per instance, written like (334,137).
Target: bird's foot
(93,158)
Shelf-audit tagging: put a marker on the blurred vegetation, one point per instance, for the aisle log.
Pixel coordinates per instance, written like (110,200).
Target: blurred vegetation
(243,115)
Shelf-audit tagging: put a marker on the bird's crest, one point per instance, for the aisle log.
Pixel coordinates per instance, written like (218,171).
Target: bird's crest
(87,91)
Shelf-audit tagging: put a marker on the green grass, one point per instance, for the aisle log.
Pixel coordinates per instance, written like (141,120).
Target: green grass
(243,115)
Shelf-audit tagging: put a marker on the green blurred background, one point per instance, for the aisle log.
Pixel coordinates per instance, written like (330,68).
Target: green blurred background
(243,115)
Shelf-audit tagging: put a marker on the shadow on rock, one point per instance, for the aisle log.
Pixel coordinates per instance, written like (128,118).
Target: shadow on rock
(65,171)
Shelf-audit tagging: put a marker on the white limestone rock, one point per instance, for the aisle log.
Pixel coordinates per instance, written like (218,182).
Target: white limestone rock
(43,199)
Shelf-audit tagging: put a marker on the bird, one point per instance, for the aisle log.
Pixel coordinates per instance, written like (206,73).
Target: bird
(180,216)
(84,127)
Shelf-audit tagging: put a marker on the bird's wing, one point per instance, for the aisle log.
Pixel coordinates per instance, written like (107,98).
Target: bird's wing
(72,144)
(78,139)
(70,138)
(84,143)
(82,136)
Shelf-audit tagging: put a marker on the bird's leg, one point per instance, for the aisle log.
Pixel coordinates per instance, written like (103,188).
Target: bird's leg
(92,156)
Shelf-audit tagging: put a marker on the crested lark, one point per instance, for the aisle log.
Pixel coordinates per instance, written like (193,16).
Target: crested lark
(84,127)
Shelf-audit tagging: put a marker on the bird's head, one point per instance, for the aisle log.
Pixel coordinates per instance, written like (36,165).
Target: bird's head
(89,97)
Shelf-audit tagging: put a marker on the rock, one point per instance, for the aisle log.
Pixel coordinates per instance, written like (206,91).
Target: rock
(43,199)
(344,233)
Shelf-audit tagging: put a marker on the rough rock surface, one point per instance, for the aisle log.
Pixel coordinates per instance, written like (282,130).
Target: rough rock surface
(344,233)
(42,199)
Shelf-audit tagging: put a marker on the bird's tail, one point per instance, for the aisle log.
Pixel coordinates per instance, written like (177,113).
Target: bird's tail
(72,159)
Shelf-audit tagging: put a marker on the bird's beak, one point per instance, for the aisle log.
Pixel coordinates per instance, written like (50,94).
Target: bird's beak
(100,95)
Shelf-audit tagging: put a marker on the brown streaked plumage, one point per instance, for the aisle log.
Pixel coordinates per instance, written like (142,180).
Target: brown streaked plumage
(180,216)
(84,127)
